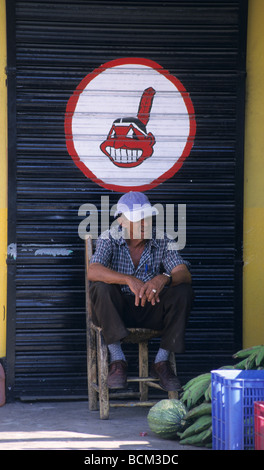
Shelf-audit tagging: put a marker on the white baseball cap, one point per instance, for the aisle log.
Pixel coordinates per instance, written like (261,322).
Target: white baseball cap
(135,206)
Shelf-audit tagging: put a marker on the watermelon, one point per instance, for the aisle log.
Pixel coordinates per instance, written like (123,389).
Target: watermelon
(165,418)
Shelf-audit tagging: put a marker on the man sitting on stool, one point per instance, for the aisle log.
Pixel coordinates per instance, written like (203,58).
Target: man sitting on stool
(138,281)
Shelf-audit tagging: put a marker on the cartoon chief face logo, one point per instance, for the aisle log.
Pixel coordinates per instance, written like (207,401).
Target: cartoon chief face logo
(128,144)
(129,125)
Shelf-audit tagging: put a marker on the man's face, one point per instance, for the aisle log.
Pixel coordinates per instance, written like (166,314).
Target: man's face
(141,230)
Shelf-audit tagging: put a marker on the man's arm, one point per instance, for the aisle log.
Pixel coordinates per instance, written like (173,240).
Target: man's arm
(143,291)
(98,272)
(181,274)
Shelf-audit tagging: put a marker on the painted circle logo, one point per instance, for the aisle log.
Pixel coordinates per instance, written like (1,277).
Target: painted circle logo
(129,125)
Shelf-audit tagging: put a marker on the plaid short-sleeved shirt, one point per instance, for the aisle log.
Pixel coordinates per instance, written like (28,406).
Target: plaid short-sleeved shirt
(158,256)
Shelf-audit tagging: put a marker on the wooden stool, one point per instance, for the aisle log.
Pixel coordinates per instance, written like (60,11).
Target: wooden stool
(97,359)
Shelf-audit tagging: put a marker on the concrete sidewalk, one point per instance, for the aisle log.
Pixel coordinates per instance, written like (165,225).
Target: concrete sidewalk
(69,425)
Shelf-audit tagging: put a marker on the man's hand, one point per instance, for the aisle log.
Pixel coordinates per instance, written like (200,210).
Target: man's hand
(151,289)
(148,291)
(135,285)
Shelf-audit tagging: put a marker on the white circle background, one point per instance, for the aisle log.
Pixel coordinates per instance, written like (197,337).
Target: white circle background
(116,93)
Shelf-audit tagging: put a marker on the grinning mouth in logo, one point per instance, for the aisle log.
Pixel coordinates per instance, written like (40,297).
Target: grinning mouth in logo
(128,144)
(123,155)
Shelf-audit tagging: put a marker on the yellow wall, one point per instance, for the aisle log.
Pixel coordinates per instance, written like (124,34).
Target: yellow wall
(253,301)
(3,179)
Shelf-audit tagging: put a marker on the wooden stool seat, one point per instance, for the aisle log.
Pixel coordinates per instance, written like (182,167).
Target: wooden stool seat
(97,360)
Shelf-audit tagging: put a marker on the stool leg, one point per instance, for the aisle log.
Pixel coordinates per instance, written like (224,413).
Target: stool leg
(173,366)
(143,369)
(102,377)
(91,369)
(173,362)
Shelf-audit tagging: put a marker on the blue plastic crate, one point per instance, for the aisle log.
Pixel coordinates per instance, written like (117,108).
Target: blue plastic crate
(233,395)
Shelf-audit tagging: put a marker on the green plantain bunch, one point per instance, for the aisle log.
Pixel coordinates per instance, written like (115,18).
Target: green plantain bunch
(197,426)
(251,358)
(197,423)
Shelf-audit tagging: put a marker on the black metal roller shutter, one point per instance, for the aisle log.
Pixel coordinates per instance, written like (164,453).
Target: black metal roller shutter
(52,46)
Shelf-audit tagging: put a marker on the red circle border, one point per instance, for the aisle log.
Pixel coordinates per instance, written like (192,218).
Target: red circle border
(72,103)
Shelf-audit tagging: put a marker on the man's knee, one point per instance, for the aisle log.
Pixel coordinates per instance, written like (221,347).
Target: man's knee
(183,290)
(104,295)
(186,290)
(181,294)
(101,288)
